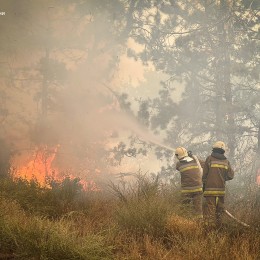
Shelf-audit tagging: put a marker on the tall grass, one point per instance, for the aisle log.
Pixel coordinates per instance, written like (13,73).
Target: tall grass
(33,237)
(53,201)
(143,207)
(142,220)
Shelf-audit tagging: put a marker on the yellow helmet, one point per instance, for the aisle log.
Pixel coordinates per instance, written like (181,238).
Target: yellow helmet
(181,152)
(219,144)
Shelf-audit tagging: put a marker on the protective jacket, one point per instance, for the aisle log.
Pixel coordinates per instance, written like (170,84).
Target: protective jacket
(191,179)
(216,172)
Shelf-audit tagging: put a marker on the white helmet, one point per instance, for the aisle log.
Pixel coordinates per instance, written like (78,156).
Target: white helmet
(181,152)
(219,144)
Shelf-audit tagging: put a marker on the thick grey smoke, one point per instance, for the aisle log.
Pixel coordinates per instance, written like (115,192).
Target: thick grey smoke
(54,62)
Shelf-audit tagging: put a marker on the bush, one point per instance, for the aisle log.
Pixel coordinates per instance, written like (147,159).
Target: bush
(54,201)
(5,156)
(31,237)
(143,209)
(143,222)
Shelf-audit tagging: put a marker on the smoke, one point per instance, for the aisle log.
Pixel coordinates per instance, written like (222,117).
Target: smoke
(90,115)
(91,120)
(55,58)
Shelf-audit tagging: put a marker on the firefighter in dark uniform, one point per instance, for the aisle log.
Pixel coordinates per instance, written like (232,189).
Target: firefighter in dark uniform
(191,180)
(216,171)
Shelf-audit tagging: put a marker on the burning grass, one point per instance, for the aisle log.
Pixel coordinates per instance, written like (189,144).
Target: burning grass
(141,220)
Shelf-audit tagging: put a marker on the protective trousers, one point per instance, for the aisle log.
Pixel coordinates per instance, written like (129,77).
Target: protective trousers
(192,204)
(213,210)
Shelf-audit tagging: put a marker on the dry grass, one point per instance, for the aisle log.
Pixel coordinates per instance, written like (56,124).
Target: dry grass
(25,236)
(181,225)
(145,224)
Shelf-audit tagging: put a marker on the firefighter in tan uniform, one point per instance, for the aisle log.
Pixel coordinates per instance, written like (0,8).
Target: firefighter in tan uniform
(191,180)
(216,171)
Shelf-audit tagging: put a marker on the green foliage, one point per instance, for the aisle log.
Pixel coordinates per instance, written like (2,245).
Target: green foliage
(121,150)
(209,52)
(5,156)
(54,201)
(143,209)
(144,217)
(143,222)
(250,212)
(31,237)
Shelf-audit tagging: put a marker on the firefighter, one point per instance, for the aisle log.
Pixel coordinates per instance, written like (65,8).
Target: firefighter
(191,180)
(216,171)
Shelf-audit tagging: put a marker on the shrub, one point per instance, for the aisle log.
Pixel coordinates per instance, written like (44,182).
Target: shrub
(54,201)
(31,237)
(143,209)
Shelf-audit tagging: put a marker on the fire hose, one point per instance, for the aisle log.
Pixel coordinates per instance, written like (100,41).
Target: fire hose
(237,220)
(200,168)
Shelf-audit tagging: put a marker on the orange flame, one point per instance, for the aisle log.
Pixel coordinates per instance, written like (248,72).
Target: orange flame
(40,168)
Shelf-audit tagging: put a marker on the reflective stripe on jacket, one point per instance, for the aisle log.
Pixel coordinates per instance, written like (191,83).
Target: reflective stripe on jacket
(217,170)
(191,178)
(191,189)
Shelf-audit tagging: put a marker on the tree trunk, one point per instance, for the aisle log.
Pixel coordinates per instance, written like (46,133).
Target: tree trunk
(230,129)
(219,76)
(258,140)
(225,124)
(44,92)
